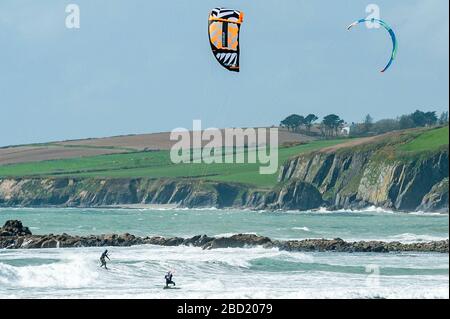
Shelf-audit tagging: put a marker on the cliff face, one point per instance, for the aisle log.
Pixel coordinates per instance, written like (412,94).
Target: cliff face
(368,178)
(105,192)
(184,193)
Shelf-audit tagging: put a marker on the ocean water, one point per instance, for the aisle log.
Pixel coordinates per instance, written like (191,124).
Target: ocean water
(138,272)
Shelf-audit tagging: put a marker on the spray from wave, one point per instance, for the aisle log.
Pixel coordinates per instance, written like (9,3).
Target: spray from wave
(306,229)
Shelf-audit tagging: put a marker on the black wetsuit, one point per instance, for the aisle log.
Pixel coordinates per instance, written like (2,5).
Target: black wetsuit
(103,260)
(168,278)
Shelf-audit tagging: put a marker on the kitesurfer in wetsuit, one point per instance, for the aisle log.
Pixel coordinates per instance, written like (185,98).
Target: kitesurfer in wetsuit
(103,260)
(168,278)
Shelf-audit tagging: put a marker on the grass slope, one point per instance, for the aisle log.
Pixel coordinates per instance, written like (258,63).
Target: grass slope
(156,165)
(428,141)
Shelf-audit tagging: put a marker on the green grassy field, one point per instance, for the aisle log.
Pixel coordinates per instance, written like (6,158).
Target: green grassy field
(156,165)
(428,141)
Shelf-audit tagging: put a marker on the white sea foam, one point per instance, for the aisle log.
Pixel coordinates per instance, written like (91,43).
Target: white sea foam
(233,234)
(404,238)
(306,229)
(413,238)
(371,209)
(325,210)
(73,272)
(137,272)
(428,214)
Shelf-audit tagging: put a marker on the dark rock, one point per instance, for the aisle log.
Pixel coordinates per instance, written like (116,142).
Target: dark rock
(237,241)
(51,243)
(197,241)
(297,195)
(14,228)
(175,241)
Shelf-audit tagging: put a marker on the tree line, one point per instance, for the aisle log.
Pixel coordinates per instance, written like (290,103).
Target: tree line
(330,125)
(413,120)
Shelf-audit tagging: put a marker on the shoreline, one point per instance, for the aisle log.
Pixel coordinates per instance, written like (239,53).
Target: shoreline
(321,210)
(138,206)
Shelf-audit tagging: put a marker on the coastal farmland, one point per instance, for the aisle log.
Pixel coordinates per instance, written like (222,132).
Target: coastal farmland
(155,164)
(133,161)
(109,145)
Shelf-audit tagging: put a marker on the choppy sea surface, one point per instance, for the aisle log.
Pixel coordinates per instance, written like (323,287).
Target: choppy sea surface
(138,272)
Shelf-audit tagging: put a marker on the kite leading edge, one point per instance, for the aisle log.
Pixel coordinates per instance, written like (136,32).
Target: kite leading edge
(391,33)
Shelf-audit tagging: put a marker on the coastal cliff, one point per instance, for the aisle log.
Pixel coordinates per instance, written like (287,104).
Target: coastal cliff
(190,193)
(360,180)
(388,171)
(94,192)
(375,174)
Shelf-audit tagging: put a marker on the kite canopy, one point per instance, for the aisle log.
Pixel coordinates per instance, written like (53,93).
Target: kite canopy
(223,28)
(391,33)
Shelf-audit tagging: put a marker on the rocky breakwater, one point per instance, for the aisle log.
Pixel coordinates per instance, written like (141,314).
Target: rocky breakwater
(13,235)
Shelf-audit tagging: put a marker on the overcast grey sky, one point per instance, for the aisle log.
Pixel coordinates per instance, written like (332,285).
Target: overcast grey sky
(140,66)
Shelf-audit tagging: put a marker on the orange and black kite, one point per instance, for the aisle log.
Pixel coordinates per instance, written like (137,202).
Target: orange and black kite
(224,28)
